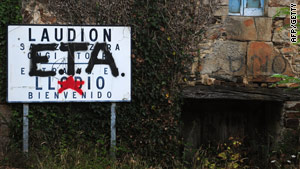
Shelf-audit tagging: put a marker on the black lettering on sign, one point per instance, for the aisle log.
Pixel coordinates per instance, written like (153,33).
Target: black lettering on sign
(61,34)
(95,34)
(109,60)
(35,59)
(92,46)
(109,47)
(102,82)
(71,38)
(45,35)
(117,47)
(89,83)
(22,46)
(107,35)
(82,34)
(109,94)
(71,48)
(29,33)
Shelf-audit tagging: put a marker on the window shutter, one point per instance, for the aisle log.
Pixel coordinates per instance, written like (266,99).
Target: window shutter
(234,6)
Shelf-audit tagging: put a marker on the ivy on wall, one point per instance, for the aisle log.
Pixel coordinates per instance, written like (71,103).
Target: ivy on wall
(162,35)
(10,13)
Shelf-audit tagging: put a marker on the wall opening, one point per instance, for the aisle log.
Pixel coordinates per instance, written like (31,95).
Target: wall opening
(212,121)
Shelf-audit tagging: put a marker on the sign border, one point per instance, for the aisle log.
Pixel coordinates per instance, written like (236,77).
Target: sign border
(72,101)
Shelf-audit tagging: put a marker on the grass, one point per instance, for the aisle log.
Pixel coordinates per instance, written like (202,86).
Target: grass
(81,157)
(85,155)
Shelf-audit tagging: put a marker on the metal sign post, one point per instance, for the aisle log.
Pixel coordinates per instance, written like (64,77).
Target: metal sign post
(25,127)
(65,63)
(113,131)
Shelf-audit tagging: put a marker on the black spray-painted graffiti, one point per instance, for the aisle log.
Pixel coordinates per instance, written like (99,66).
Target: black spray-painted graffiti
(261,64)
(233,60)
(278,64)
(35,59)
(71,48)
(109,60)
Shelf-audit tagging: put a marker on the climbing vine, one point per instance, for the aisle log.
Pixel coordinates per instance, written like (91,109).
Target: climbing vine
(163,36)
(10,13)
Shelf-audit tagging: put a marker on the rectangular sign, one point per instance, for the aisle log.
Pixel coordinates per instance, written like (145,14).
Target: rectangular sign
(69,63)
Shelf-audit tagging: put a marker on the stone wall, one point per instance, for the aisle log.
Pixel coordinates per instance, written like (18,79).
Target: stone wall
(291,114)
(35,12)
(249,48)
(246,51)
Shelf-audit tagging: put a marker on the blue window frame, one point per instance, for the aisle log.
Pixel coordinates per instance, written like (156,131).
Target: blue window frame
(246,7)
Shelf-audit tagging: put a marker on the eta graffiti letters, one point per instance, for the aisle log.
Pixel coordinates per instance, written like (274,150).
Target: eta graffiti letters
(70,48)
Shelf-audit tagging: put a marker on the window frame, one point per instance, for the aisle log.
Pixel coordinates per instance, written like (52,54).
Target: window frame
(249,11)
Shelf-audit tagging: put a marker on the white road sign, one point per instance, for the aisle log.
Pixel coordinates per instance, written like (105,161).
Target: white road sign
(69,63)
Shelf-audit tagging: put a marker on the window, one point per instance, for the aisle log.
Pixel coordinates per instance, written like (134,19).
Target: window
(246,7)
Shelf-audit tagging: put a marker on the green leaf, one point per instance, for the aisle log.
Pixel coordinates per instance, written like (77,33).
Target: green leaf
(277,75)
(222,155)
(235,165)
(235,157)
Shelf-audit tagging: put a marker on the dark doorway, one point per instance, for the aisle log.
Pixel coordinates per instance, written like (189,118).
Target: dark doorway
(215,120)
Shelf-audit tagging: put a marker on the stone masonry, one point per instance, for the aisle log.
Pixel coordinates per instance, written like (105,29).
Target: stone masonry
(246,51)
(292,114)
